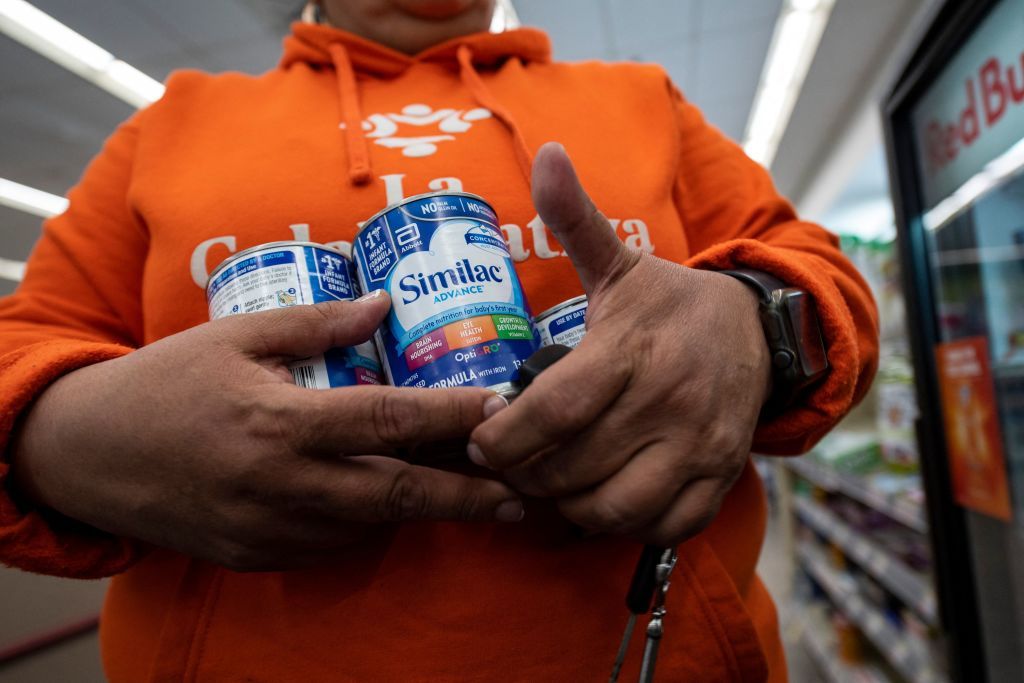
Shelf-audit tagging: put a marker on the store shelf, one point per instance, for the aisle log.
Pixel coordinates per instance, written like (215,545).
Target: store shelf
(908,585)
(832,668)
(903,511)
(1008,369)
(897,648)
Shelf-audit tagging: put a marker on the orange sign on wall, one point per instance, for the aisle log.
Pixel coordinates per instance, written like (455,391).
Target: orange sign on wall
(976,462)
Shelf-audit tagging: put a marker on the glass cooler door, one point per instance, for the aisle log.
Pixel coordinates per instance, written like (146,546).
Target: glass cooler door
(956,140)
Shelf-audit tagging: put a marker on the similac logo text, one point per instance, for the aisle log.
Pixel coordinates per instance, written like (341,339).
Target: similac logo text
(451,283)
(450,273)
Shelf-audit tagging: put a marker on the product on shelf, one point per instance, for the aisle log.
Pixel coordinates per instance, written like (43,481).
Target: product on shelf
(848,640)
(897,410)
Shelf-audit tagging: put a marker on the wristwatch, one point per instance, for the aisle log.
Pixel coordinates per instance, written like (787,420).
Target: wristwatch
(793,333)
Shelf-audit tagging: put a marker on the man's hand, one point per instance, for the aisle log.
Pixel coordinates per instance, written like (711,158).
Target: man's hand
(646,425)
(201,443)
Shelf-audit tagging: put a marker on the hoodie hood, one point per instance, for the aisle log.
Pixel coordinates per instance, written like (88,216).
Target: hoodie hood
(349,54)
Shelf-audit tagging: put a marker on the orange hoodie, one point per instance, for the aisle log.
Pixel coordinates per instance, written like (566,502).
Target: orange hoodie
(222,163)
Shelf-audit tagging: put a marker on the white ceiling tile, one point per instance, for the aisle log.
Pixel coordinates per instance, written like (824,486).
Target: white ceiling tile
(717,15)
(115,25)
(254,56)
(22,68)
(728,114)
(679,60)
(641,25)
(730,62)
(50,134)
(577,28)
(18,232)
(206,23)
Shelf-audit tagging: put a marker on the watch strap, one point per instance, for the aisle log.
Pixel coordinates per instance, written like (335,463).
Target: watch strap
(794,339)
(762,283)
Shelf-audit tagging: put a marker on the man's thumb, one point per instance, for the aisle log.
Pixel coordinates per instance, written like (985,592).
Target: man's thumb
(586,234)
(301,331)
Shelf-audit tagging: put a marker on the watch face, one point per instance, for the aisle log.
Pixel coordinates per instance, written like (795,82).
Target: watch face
(807,335)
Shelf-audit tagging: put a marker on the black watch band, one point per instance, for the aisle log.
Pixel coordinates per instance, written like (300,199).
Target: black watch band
(793,334)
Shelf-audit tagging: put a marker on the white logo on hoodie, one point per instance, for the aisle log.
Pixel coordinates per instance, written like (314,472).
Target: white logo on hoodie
(382,128)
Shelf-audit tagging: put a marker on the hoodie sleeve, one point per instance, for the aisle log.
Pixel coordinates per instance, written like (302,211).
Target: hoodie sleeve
(78,304)
(734,218)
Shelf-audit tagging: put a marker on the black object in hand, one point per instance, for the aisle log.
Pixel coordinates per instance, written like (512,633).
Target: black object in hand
(540,361)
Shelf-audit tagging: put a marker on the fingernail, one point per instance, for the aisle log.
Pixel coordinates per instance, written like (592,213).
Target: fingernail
(476,455)
(510,511)
(370,296)
(494,404)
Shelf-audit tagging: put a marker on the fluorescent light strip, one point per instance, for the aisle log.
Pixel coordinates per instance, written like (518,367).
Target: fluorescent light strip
(12,270)
(797,34)
(30,200)
(39,31)
(993,174)
(505,17)
(42,33)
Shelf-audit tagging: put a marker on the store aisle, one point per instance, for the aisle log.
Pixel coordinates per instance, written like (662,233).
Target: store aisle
(776,568)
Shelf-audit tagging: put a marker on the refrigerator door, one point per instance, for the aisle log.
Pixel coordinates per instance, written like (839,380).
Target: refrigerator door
(957,138)
(976,259)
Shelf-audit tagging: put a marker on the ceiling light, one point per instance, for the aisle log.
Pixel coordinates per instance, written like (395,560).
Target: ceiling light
(804,5)
(30,200)
(39,31)
(504,17)
(797,34)
(792,31)
(12,270)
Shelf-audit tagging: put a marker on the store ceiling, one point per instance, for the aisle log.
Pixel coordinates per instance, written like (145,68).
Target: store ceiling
(52,122)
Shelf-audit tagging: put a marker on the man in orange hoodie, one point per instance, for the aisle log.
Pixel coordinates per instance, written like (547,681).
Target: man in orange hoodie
(142,442)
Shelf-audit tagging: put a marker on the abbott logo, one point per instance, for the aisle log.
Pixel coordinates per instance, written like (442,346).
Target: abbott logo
(383,129)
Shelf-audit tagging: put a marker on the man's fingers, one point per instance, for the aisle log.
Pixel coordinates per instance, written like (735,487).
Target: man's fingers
(592,456)
(693,509)
(586,234)
(564,400)
(381,489)
(631,498)
(301,331)
(368,419)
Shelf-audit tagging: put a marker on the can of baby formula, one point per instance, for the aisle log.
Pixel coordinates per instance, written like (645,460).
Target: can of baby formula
(459,316)
(563,324)
(283,274)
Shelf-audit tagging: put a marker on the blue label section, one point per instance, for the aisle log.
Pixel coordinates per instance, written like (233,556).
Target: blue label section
(452,315)
(340,372)
(357,361)
(330,277)
(248,265)
(377,252)
(346,368)
(483,365)
(567,322)
(443,207)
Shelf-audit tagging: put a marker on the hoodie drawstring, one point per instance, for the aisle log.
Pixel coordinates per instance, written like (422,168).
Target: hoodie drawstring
(471,79)
(358,151)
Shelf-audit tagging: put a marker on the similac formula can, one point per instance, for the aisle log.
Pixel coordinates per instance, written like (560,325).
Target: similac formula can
(458,312)
(283,274)
(563,324)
